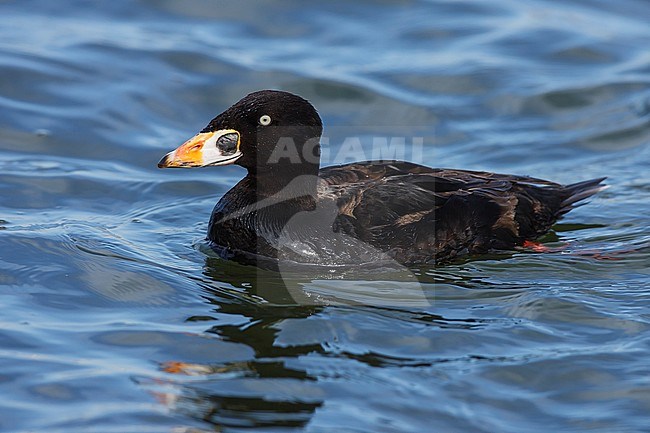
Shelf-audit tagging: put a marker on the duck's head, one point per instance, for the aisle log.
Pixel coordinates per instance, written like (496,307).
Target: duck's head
(265,132)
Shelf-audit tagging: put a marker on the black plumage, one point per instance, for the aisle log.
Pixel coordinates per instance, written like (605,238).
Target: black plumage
(288,208)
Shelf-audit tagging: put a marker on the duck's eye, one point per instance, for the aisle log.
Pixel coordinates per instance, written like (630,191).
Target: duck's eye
(265,120)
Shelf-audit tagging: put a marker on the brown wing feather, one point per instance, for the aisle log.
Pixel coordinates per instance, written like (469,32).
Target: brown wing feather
(424,214)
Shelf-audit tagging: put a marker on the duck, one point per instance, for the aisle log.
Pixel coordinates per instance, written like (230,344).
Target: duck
(288,207)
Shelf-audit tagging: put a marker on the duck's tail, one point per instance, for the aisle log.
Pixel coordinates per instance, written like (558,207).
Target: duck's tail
(577,192)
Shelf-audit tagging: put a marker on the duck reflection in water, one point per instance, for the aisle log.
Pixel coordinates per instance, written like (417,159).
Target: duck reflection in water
(278,388)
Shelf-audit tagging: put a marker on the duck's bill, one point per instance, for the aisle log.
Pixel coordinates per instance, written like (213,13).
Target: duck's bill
(204,149)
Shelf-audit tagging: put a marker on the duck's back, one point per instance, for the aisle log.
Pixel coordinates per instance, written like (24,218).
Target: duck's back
(419,214)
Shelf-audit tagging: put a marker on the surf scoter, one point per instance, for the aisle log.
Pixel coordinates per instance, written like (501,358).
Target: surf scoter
(287,207)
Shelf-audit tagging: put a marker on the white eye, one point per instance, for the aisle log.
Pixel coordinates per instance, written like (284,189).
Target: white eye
(265,120)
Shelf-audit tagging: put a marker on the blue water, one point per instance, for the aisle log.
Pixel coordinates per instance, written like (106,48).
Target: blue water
(116,318)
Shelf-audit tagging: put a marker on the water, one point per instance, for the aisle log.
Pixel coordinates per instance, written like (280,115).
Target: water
(115,317)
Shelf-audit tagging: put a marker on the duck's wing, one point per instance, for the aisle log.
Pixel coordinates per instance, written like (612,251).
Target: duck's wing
(413,209)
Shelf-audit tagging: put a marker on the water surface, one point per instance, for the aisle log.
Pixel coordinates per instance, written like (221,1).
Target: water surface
(116,318)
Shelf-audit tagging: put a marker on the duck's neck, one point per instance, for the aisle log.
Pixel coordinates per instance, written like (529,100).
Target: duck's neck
(285,182)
